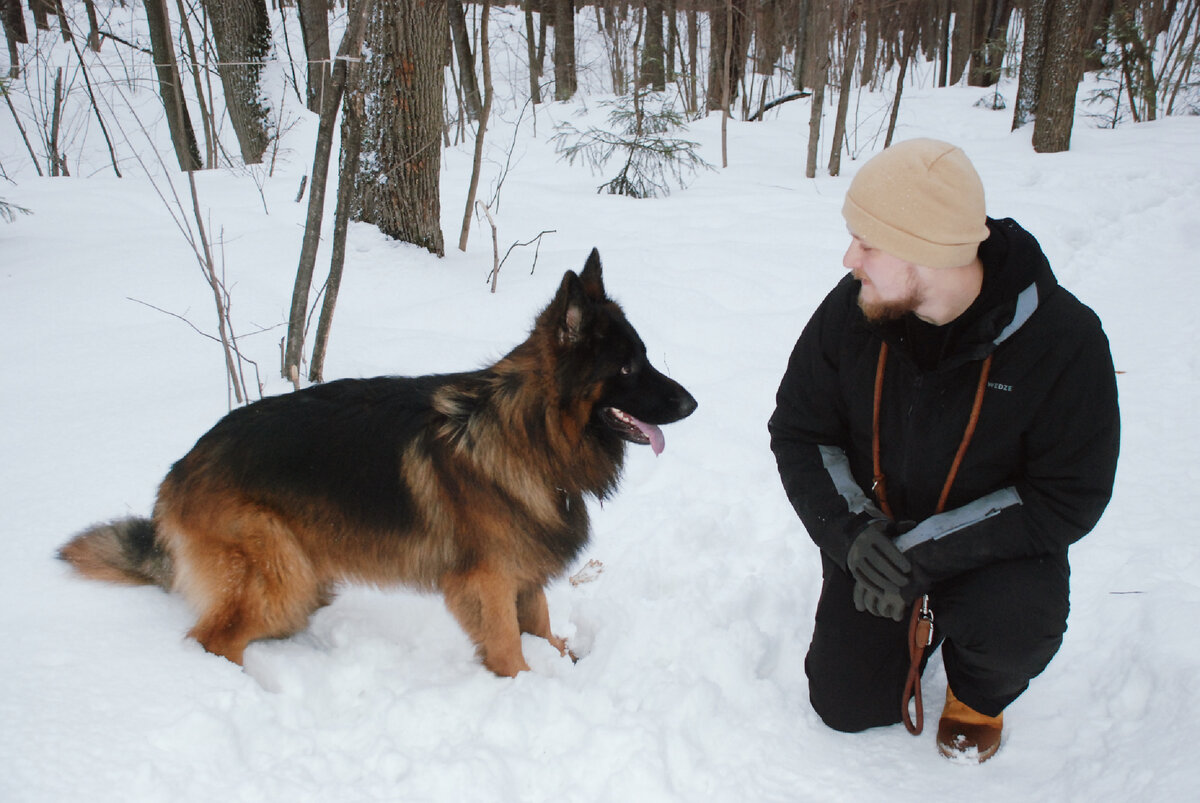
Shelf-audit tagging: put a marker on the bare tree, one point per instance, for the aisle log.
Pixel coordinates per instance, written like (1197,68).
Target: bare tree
(989,41)
(13,22)
(350,47)
(727,30)
(910,45)
(399,177)
(466,59)
(483,120)
(852,36)
(1060,77)
(352,122)
(819,30)
(314,25)
(532,47)
(183,137)
(653,70)
(565,77)
(1032,54)
(242,33)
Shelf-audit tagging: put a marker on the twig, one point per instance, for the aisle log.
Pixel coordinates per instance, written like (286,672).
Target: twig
(87,82)
(495,245)
(195,328)
(210,274)
(537,239)
(25,137)
(119,40)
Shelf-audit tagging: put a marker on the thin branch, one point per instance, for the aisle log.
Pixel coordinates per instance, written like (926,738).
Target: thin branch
(537,239)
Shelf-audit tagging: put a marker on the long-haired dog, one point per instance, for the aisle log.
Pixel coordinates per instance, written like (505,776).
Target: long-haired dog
(471,484)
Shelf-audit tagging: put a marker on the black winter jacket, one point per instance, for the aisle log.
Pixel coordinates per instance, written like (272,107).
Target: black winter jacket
(1039,470)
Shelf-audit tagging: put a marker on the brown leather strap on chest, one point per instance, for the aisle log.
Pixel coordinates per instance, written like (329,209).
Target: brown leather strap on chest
(920,623)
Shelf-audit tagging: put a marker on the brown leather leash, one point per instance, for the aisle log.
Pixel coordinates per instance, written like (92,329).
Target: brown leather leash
(920,623)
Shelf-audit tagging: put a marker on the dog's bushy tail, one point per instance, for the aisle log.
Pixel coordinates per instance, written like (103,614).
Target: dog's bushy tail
(123,551)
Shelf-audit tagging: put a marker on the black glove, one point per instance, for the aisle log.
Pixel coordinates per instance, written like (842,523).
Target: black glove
(888,606)
(880,570)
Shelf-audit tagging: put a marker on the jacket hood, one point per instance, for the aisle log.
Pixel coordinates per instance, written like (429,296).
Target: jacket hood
(1017,280)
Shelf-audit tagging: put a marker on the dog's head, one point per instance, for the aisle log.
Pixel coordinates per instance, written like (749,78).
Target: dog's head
(602,361)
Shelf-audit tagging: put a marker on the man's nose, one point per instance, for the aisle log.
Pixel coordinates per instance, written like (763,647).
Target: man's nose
(853,256)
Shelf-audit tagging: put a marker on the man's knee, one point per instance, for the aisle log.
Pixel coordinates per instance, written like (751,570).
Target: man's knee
(849,704)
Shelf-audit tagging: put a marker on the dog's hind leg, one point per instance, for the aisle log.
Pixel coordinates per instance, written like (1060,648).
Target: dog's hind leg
(533,615)
(247,578)
(484,601)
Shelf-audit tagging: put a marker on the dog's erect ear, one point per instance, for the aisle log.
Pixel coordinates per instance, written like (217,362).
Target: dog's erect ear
(593,282)
(570,307)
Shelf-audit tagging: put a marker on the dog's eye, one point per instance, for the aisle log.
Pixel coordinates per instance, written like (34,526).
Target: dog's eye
(627,369)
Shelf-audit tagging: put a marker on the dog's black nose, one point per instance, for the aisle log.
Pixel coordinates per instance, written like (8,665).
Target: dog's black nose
(687,403)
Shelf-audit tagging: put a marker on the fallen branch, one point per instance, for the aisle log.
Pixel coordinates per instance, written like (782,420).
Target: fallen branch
(758,115)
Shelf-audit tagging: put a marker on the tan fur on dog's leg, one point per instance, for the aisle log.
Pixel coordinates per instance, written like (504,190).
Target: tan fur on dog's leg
(533,615)
(485,604)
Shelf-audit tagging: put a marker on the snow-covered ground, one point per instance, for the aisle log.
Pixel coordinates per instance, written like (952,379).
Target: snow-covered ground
(690,684)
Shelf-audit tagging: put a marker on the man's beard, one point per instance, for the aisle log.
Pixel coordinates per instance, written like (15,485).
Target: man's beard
(884,311)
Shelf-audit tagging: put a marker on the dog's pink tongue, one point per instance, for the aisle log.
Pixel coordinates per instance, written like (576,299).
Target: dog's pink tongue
(657,442)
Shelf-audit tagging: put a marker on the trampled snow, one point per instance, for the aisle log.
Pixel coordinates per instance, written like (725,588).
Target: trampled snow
(693,616)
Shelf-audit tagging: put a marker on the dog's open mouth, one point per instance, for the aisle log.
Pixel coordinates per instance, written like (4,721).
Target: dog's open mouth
(633,430)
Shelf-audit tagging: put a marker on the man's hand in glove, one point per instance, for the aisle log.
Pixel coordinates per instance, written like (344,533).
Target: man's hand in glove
(880,570)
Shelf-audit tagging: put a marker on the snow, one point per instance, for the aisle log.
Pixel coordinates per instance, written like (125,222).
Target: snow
(693,624)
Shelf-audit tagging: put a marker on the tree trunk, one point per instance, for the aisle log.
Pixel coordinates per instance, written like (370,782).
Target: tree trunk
(910,45)
(564,50)
(848,58)
(169,86)
(1096,33)
(672,32)
(871,13)
(693,46)
(800,62)
(738,44)
(14,31)
(314,25)
(207,123)
(350,47)
(64,27)
(535,65)
(1032,54)
(653,72)
(398,181)
(819,45)
(352,122)
(768,36)
(41,9)
(960,40)
(944,7)
(14,22)
(1060,77)
(483,121)
(987,57)
(94,39)
(726,82)
(242,32)
(466,60)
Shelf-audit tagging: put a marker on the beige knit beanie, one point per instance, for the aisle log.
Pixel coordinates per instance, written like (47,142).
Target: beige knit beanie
(920,200)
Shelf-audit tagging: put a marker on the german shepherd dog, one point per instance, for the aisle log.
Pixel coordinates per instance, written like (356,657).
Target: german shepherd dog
(471,484)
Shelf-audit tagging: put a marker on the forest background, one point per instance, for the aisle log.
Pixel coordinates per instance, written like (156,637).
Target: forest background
(412,77)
